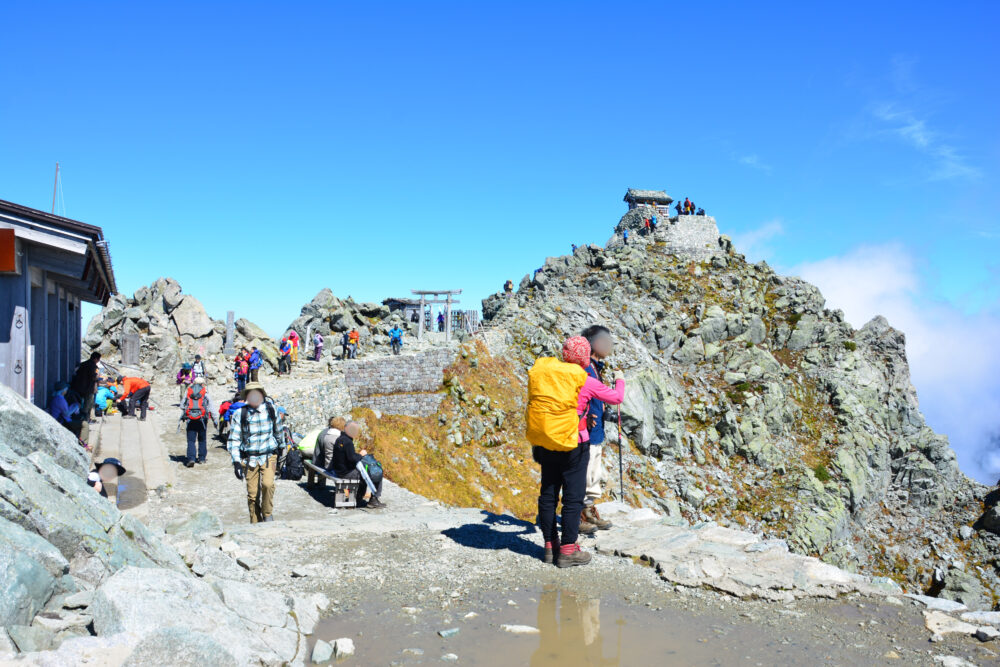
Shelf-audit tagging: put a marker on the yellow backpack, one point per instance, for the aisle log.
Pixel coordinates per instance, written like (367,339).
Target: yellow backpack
(553,389)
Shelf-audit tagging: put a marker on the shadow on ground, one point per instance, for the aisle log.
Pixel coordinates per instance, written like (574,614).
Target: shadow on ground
(496,532)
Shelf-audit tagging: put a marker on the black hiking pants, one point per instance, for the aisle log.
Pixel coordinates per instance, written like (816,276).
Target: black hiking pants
(565,472)
(140,398)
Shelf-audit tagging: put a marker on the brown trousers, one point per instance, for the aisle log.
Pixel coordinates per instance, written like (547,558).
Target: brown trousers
(260,481)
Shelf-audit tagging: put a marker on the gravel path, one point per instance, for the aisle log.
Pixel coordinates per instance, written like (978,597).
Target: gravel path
(377,567)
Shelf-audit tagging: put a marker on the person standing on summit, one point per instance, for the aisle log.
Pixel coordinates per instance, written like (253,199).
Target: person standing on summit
(601,346)
(293,338)
(558,395)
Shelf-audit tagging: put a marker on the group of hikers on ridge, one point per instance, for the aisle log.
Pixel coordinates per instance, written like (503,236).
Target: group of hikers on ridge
(92,393)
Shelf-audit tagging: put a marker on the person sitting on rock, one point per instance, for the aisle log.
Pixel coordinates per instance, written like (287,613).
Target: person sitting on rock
(66,413)
(345,462)
(136,391)
(701,211)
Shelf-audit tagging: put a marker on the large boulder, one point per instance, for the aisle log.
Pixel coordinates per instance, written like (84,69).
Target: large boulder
(191,319)
(29,568)
(27,429)
(144,601)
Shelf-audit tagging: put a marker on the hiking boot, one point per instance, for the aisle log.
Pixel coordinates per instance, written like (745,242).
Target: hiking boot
(551,548)
(586,528)
(375,504)
(572,554)
(592,516)
(189,464)
(269,518)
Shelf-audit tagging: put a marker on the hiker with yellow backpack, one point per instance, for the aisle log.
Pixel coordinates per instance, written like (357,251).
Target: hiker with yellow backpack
(559,393)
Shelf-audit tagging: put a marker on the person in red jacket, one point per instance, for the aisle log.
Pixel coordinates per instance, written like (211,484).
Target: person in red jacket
(136,392)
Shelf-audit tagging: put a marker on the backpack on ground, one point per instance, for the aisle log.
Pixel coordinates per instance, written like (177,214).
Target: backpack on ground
(293,469)
(195,409)
(553,389)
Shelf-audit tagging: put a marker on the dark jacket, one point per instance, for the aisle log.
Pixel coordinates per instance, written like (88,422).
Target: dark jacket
(85,379)
(344,456)
(595,410)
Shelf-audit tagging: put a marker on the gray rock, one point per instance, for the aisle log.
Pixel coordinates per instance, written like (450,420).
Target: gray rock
(990,521)
(184,646)
(29,638)
(78,600)
(962,587)
(144,600)
(200,524)
(209,561)
(29,567)
(191,319)
(937,604)
(987,633)
(966,532)
(56,622)
(343,647)
(27,429)
(322,652)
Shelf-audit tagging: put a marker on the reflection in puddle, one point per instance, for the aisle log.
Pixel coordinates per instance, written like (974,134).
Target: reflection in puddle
(570,630)
(562,627)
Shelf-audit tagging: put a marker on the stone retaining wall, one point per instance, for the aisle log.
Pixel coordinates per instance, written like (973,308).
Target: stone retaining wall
(696,236)
(409,384)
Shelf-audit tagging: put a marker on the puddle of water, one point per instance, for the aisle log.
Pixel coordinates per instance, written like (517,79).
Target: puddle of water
(572,629)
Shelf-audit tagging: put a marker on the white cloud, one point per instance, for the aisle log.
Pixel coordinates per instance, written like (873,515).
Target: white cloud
(905,125)
(754,162)
(954,357)
(754,243)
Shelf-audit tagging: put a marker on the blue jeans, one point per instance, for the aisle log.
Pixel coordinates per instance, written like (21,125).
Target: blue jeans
(241,383)
(197,430)
(566,472)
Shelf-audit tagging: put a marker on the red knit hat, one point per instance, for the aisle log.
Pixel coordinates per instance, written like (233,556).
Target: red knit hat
(576,350)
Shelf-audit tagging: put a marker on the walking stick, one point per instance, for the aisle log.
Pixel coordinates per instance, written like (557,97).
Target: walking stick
(621,475)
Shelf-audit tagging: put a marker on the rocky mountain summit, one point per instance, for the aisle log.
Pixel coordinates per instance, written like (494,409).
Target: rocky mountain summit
(751,403)
(172,328)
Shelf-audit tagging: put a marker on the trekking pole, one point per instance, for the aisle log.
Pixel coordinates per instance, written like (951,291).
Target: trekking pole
(621,474)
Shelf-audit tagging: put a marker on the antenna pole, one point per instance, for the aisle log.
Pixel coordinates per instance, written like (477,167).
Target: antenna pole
(55,184)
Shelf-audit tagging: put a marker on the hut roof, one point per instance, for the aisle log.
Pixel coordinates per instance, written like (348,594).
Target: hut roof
(655,196)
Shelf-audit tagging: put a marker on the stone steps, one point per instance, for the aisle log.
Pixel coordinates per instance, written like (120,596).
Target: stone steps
(137,445)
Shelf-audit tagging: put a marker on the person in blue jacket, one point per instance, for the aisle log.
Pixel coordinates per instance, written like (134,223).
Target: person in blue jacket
(104,394)
(396,339)
(255,363)
(66,413)
(601,346)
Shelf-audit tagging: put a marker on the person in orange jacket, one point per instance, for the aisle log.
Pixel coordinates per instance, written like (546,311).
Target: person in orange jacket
(136,391)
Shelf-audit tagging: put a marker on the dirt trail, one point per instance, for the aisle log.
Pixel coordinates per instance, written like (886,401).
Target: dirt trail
(398,576)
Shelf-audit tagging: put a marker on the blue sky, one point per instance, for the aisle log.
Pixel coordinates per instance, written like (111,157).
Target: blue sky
(258,152)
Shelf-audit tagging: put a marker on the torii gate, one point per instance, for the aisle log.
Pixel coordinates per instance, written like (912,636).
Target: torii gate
(447,301)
